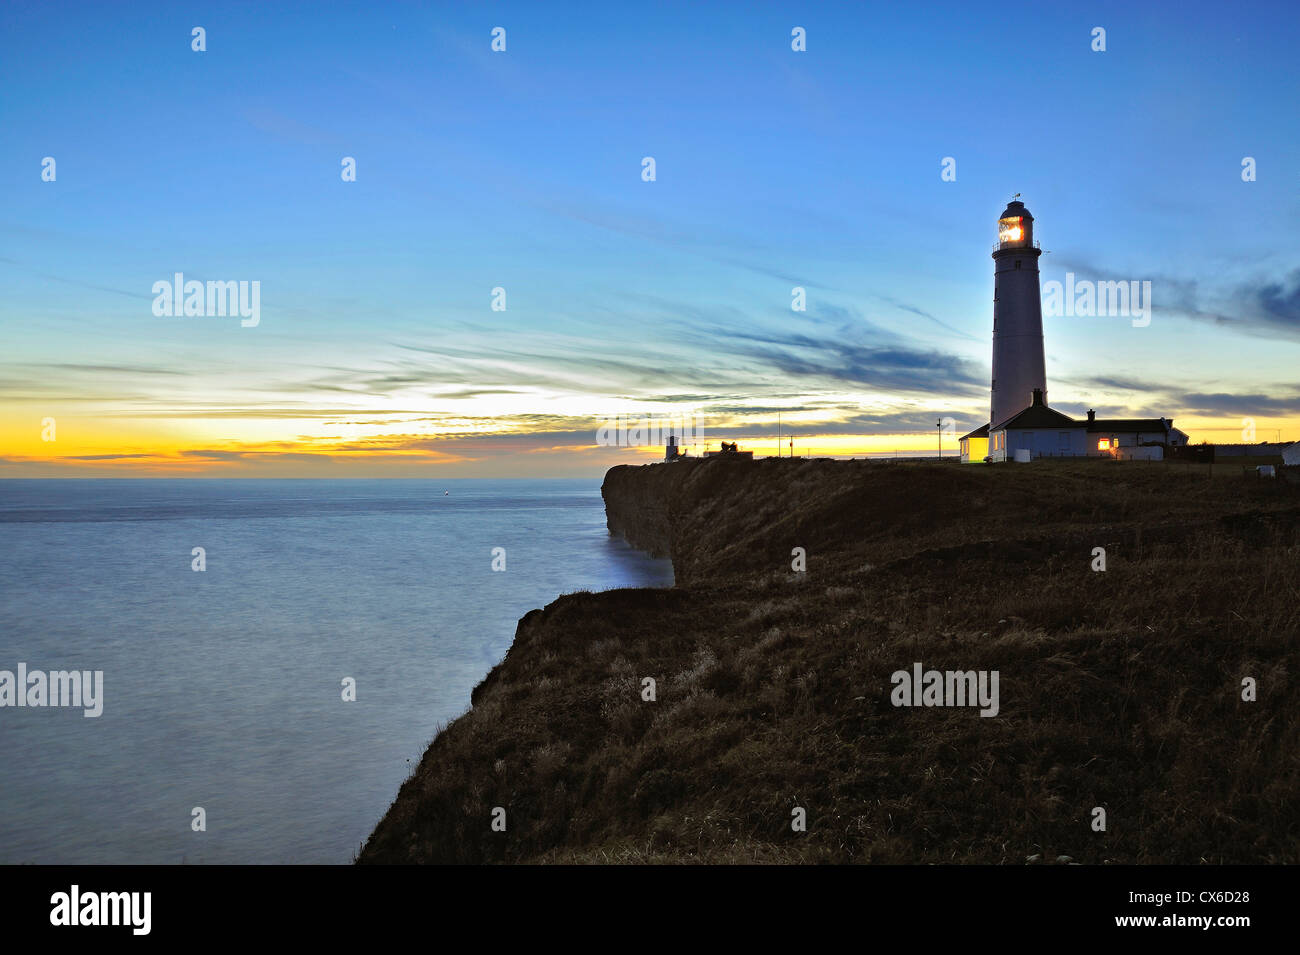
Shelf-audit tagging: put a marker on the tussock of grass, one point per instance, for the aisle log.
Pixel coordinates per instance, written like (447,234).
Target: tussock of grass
(1118,689)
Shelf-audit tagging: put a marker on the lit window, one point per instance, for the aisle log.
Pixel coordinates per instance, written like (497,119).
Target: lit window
(1103,444)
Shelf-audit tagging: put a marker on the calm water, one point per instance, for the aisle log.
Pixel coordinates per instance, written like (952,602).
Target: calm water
(222,688)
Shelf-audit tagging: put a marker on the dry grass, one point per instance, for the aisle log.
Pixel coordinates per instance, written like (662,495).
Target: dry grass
(1118,689)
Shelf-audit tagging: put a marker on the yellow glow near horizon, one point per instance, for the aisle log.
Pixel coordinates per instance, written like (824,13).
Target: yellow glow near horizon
(406,442)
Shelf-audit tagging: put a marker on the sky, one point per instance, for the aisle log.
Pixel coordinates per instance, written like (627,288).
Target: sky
(377,351)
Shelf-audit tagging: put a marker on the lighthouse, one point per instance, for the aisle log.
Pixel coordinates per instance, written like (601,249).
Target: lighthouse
(1021,425)
(1019,371)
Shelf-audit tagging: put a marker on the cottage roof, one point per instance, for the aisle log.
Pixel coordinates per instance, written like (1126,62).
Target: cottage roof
(1039,416)
(1131,425)
(980,432)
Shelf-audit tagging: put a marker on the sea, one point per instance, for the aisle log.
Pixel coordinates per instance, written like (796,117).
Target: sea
(266,707)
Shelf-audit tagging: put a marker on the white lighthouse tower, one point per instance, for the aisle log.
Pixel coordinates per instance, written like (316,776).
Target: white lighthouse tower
(1018,366)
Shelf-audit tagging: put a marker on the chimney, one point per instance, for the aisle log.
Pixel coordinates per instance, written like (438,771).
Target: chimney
(1038,396)
(1092,416)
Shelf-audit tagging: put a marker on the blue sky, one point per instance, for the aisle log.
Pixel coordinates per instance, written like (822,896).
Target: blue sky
(377,351)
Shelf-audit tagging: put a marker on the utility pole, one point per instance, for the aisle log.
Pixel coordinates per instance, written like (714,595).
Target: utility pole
(939,424)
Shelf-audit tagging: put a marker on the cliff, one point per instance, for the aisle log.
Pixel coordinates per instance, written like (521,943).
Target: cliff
(1119,689)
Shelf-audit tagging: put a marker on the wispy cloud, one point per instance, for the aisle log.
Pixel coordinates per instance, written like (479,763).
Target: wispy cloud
(1264,306)
(1222,404)
(879,368)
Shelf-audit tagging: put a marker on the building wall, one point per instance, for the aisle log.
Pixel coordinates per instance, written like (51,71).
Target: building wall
(1151,453)
(1078,441)
(1042,442)
(1132,439)
(974,450)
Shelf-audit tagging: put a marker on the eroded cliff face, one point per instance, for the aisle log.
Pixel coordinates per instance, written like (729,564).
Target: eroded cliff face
(643,504)
(719,519)
(771,686)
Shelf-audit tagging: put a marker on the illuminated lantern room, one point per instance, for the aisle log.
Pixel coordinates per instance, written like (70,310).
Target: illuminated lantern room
(1015,227)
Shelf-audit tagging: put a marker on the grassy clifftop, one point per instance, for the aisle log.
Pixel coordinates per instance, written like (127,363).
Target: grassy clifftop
(1118,689)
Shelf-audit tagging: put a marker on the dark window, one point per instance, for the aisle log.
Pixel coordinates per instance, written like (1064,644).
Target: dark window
(1017,263)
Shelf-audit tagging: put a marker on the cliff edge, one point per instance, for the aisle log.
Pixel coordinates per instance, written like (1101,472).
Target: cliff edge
(802,586)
